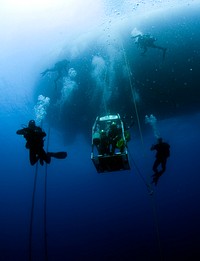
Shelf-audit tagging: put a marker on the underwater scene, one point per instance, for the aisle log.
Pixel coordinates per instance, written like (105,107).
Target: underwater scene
(100,123)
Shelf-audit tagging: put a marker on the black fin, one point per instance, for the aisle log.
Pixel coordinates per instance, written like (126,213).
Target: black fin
(58,155)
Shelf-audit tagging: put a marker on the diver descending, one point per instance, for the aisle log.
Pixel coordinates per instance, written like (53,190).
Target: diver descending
(146,41)
(34,136)
(162,153)
(61,68)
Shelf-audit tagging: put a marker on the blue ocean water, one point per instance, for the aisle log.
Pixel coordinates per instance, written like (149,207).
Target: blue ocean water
(97,217)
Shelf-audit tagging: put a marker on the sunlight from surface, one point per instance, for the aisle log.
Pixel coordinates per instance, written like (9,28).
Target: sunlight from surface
(32,5)
(36,33)
(42,28)
(38,6)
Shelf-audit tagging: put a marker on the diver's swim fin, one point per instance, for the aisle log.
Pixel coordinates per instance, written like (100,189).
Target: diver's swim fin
(58,155)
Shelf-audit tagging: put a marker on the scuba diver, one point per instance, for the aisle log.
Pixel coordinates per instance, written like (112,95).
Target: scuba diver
(146,41)
(61,68)
(103,147)
(163,152)
(34,136)
(114,135)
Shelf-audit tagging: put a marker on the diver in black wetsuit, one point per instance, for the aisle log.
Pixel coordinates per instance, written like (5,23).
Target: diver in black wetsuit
(34,136)
(61,68)
(114,135)
(163,152)
(146,41)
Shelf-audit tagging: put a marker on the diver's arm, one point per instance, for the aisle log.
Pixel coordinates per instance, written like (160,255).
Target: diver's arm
(22,131)
(138,35)
(39,131)
(47,71)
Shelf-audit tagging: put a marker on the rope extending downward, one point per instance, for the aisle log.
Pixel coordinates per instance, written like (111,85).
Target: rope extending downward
(149,188)
(133,94)
(45,205)
(148,185)
(104,93)
(45,210)
(32,213)
(45,215)
(151,193)
(157,228)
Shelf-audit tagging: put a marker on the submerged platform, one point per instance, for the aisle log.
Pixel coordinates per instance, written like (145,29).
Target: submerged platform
(110,163)
(109,144)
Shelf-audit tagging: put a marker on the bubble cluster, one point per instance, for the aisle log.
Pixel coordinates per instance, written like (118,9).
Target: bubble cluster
(41,108)
(153,122)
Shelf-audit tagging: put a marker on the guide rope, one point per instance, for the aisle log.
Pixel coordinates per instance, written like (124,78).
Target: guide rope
(104,93)
(148,185)
(45,203)
(133,92)
(45,209)
(32,213)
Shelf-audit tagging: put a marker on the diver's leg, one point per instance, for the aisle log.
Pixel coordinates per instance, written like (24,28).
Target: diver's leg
(157,47)
(161,48)
(113,147)
(156,177)
(45,72)
(33,157)
(44,156)
(155,165)
(144,50)
(163,164)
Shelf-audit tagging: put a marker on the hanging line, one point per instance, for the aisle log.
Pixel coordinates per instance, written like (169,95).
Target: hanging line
(151,193)
(104,90)
(134,100)
(157,227)
(32,213)
(148,186)
(45,203)
(133,94)
(45,215)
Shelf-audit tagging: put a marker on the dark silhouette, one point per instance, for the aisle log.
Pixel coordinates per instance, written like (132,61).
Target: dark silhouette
(103,147)
(34,136)
(61,68)
(114,135)
(146,41)
(163,152)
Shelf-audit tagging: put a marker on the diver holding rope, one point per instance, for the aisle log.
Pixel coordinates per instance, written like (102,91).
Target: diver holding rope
(34,136)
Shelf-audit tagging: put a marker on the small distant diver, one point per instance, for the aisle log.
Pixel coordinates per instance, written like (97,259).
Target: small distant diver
(162,153)
(145,41)
(34,136)
(61,68)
